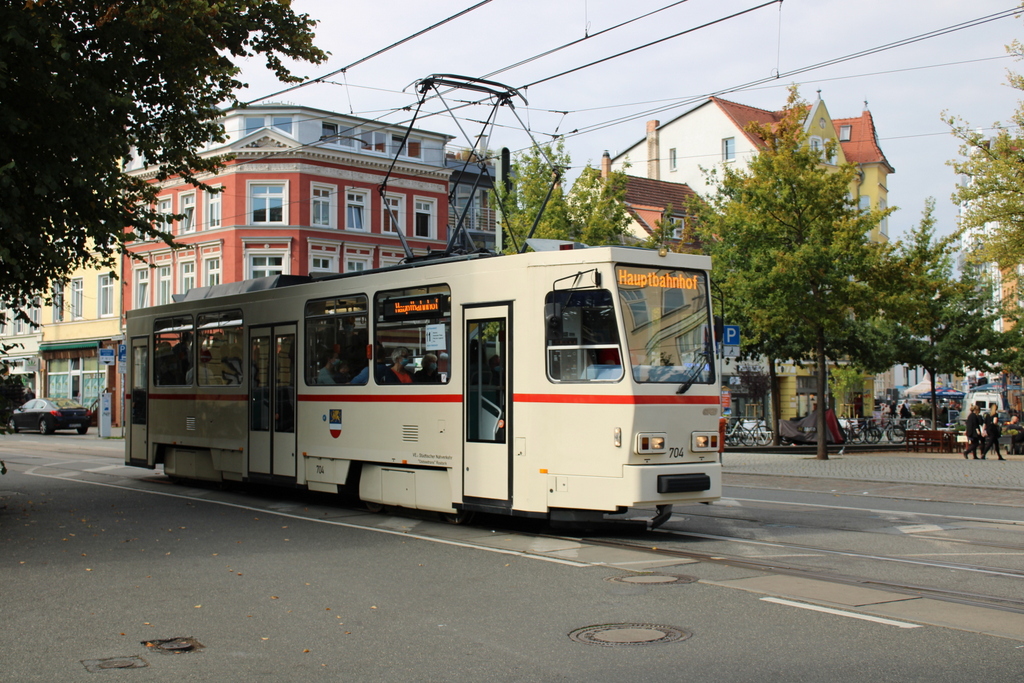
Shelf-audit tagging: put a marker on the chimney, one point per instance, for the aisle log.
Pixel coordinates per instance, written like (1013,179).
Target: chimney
(606,164)
(653,150)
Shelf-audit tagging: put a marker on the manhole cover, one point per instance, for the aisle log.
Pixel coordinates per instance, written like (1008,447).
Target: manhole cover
(174,645)
(95,665)
(628,635)
(653,579)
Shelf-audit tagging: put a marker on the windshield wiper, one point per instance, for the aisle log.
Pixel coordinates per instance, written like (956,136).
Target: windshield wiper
(695,371)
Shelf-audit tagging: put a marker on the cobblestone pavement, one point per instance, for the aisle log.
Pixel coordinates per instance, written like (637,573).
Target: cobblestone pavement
(946,477)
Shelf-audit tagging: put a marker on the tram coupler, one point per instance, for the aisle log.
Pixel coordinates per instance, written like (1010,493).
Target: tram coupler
(664,512)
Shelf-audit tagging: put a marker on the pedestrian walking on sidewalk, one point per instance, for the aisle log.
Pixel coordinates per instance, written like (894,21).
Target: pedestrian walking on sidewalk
(992,433)
(974,425)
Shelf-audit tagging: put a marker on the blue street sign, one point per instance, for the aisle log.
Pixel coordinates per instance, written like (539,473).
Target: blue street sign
(730,335)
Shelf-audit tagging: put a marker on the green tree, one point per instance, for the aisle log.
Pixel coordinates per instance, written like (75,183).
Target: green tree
(792,251)
(84,85)
(593,212)
(949,323)
(994,191)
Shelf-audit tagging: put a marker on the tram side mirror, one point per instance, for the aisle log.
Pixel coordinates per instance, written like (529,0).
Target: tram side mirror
(719,328)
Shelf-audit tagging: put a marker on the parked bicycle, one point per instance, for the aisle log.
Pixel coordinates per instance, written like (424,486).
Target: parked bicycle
(743,432)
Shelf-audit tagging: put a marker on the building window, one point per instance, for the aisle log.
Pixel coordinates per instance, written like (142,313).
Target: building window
(267,203)
(253,124)
(844,133)
(355,265)
(413,148)
(213,211)
(163,285)
(814,142)
(211,272)
(105,296)
(265,266)
(142,288)
(355,210)
(375,141)
(424,219)
(163,207)
(393,214)
(187,279)
(728,149)
(672,159)
(282,123)
(321,264)
(329,132)
(58,302)
(77,299)
(677,227)
(883,227)
(864,203)
(321,206)
(187,206)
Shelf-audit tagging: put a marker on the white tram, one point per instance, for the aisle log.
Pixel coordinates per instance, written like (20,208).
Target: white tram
(560,384)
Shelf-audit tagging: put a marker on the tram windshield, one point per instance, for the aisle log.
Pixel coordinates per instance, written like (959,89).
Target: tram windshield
(667,323)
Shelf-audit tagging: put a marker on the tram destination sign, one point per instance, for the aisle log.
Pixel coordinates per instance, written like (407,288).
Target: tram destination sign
(414,307)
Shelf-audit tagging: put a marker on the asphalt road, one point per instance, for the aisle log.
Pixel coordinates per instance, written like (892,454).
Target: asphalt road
(99,559)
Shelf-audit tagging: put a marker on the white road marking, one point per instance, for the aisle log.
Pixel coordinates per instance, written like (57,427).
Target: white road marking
(841,613)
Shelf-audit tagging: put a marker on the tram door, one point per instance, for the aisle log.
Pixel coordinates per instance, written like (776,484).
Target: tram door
(138,407)
(486,463)
(272,400)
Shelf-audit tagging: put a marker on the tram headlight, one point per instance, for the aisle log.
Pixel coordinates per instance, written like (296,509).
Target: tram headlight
(704,441)
(650,443)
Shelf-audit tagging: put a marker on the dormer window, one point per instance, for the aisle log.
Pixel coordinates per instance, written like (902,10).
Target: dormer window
(283,124)
(253,124)
(844,133)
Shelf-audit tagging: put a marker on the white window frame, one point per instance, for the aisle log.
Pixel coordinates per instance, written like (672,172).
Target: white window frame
(164,208)
(270,269)
(57,307)
(815,144)
(398,203)
(356,264)
(104,296)
(321,201)
(186,276)
(375,141)
(187,207)
(673,159)
(428,207)
(140,279)
(281,123)
(328,263)
(77,298)
(252,124)
(164,282)
(360,199)
(411,145)
(251,192)
(845,133)
(728,149)
(214,214)
(211,271)
(678,225)
(329,132)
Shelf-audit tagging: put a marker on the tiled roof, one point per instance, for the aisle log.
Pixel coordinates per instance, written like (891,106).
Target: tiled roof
(743,116)
(644,192)
(862,147)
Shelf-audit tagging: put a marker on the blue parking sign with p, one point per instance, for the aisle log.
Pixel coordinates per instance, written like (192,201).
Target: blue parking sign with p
(730,335)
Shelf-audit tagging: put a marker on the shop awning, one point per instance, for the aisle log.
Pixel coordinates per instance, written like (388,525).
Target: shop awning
(67,346)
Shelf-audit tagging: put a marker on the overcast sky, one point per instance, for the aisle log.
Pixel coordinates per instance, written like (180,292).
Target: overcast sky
(907,88)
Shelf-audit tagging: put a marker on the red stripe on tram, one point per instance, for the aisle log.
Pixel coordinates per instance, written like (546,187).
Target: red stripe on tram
(617,399)
(382,398)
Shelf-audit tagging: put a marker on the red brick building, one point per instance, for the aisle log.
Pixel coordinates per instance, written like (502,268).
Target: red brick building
(299,196)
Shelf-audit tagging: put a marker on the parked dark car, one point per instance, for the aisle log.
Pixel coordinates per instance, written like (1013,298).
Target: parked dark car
(50,414)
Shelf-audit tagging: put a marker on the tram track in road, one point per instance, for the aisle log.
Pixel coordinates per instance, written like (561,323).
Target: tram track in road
(795,570)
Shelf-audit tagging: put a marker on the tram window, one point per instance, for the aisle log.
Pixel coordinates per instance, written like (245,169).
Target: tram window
(667,322)
(172,362)
(582,336)
(220,338)
(336,341)
(413,334)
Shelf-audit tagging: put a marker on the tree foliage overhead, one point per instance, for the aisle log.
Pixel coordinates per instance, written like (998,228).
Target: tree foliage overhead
(792,253)
(593,212)
(949,323)
(85,84)
(993,166)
